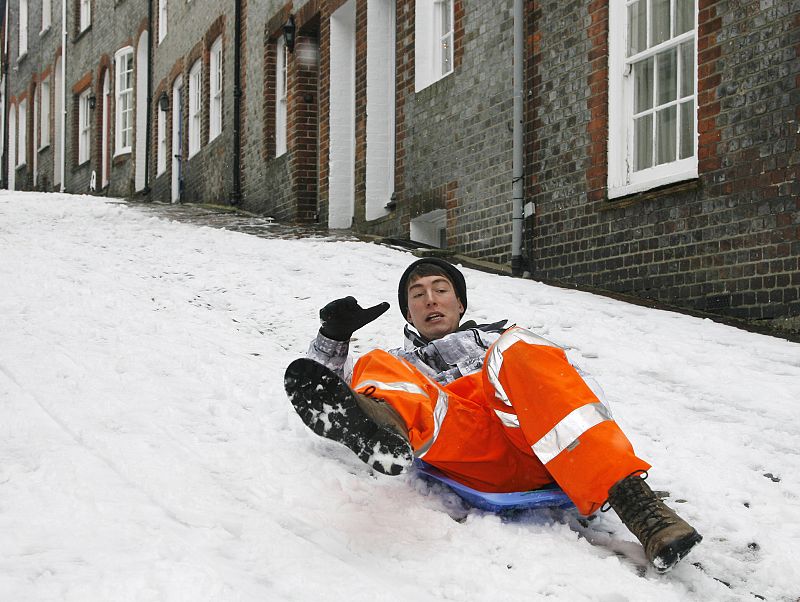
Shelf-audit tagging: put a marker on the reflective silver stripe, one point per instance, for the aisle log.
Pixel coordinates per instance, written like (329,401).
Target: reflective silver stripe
(508,420)
(495,361)
(398,386)
(439,413)
(566,432)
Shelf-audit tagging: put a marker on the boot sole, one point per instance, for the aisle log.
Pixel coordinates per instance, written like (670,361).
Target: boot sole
(328,406)
(674,552)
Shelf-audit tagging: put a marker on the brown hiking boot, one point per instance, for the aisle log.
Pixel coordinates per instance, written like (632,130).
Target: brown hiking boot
(665,536)
(370,427)
(381,413)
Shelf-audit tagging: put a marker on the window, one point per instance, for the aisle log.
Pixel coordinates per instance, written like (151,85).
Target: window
(652,94)
(162,20)
(83,126)
(44,114)
(215,90)
(124,101)
(23,28)
(46,14)
(22,147)
(433,41)
(161,160)
(195,105)
(281,86)
(85,16)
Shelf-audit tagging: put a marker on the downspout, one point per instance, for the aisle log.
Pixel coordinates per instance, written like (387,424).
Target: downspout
(63,117)
(517,182)
(4,67)
(236,195)
(149,121)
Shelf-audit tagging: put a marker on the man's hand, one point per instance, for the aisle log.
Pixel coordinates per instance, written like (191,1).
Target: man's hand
(341,318)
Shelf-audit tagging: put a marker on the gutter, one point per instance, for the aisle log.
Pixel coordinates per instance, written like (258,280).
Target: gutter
(4,67)
(518,170)
(236,195)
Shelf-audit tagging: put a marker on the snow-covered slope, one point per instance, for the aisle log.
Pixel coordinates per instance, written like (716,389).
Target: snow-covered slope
(148,452)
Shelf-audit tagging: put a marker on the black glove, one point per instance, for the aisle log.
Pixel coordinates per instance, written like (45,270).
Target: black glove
(341,318)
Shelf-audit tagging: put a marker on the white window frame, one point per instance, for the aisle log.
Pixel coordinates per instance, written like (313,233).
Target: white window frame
(281,95)
(47,15)
(22,128)
(85,15)
(622,179)
(123,97)
(23,29)
(161,158)
(84,126)
(162,20)
(215,84)
(434,37)
(44,114)
(195,107)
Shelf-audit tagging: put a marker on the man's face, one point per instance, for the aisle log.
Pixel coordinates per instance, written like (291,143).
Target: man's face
(433,307)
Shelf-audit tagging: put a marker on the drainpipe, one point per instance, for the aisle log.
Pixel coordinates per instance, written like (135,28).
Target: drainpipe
(517,182)
(4,167)
(148,103)
(236,195)
(63,117)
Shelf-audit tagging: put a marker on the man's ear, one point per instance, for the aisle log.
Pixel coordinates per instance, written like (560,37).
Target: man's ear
(461,309)
(408,317)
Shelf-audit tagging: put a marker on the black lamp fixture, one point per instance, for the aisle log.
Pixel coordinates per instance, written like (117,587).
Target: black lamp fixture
(163,102)
(289,31)
(92,101)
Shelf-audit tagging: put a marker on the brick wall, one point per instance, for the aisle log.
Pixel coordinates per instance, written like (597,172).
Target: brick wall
(724,243)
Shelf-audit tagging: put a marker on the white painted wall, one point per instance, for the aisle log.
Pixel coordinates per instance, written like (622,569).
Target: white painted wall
(12,147)
(57,117)
(428,228)
(341,161)
(380,106)
(141,111)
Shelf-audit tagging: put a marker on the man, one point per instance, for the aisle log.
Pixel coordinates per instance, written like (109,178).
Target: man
(496,409)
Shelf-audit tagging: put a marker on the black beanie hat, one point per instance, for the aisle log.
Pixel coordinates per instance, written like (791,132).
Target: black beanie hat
(454,275)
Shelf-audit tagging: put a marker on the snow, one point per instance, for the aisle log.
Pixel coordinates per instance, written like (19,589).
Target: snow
(148,451)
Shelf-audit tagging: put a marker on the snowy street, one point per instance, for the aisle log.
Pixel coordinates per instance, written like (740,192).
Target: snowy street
(148,451)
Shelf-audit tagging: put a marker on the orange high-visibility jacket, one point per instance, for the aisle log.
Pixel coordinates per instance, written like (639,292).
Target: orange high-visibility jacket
(498,411)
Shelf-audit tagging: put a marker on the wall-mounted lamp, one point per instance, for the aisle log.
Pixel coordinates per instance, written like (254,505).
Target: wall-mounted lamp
(92,101)
(289,30)
(163,102)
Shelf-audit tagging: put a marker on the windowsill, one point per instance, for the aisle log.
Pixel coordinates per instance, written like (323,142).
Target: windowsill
(44,148)
(193,153)
(20,166)
(123,152)
(46,30)
(82,32)
(22,57)
(432,82)
(83,163)
(650,194)
(619,192)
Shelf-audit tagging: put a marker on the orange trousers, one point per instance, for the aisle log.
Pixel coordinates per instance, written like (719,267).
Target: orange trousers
(525,420)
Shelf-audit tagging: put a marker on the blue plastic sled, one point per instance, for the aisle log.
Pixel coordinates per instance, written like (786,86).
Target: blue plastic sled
(548,497)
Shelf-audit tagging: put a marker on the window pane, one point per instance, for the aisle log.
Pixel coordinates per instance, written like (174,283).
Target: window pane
(637,27)
(684,16)
(643,142)
(687,129)
(659,23)
(665,135)
(687,68)
(643,85)
(667,75)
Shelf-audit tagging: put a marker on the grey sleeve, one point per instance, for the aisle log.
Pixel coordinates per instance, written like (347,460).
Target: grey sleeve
(332,354)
